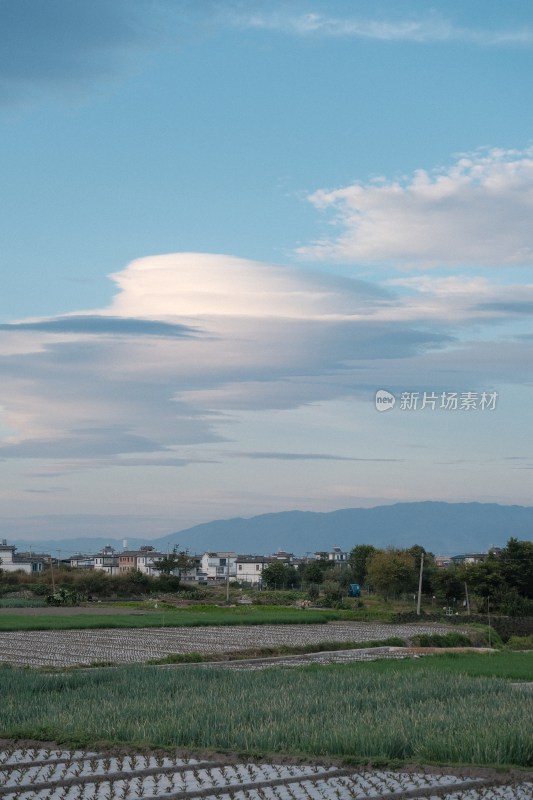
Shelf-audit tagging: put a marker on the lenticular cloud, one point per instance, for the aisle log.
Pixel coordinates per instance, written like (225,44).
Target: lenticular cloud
(191,285)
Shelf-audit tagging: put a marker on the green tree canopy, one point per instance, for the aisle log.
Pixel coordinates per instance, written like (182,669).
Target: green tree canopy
(392,572)
(278,575)
(516,561)
(358,559)
(313,572)
(484,579)
(173,563)
(448,583)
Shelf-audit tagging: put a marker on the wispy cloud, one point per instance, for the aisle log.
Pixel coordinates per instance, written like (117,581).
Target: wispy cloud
(281,456)
(66,48)
(100,325)
(428,28)
(478,212)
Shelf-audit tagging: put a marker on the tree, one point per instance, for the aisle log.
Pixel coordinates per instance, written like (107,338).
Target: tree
(277,575)
(429,570)
(333,591)
(174,562)
(358,559)
(449,584)
(392,572)
(484,579)
(313,572)
(516,560)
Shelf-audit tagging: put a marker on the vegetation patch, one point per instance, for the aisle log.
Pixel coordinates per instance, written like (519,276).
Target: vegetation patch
(520,643)
(388,710)
(453,639)
(170,617)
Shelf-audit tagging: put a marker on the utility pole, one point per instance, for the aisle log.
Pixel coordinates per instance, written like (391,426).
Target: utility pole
(488,614)
(53,579)
(419,602)
(227,580)
(467,600)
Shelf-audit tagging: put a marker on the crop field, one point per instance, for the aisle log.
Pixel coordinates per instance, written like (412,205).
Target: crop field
(423,711)
(38,773)
(83,647)
(159,615)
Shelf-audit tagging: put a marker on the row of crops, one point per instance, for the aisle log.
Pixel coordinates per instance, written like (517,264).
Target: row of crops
(52,774)
(414,712)
(75,647)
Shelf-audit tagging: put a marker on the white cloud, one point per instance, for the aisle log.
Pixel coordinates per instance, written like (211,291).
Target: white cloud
(426,29)
(191,342)
(188,286)
(478,212)
(263,336)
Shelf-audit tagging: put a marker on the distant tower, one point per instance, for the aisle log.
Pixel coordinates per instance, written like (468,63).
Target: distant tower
(124,544)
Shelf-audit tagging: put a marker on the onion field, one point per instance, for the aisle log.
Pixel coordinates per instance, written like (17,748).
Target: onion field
(35,773)
(413,712)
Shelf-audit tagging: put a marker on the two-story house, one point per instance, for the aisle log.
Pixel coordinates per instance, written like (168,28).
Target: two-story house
(10,561)
(249,569)
(219,565)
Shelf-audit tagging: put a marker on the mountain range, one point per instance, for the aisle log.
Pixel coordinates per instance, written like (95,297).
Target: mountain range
(441,528)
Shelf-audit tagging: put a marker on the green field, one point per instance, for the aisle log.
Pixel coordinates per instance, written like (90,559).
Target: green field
(69,619)
(458,709)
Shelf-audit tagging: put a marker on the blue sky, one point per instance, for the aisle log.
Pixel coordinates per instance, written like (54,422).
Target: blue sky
(226,225)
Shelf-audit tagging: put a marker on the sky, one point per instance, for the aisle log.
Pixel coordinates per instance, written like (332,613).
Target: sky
(260,256)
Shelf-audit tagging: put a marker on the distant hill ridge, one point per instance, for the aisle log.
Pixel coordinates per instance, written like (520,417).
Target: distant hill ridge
(442,528)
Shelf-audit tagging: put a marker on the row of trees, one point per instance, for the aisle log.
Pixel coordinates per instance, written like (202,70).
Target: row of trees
(504,579)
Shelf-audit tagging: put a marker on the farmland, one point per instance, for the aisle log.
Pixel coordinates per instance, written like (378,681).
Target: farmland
(406,710)
(309,732)
(155,616)
(33,772)
(74,647)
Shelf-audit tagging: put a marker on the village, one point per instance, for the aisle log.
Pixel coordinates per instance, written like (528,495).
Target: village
(207,567)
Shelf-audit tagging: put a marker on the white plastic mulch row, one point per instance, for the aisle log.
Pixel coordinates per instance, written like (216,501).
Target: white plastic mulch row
(326,657)
(134,645)
(44,774)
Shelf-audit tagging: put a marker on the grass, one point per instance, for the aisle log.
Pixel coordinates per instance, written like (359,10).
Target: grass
(445,709)
(170,617)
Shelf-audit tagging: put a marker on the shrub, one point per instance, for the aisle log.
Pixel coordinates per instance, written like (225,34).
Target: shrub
(442,640)
(513,605)
(313,591)
(520,643)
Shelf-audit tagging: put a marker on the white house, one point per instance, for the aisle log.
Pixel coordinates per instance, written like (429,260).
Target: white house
(12,563)
(337,555)
(249,569)
(106,560)
(146,555)
(219,565)
(82,561)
